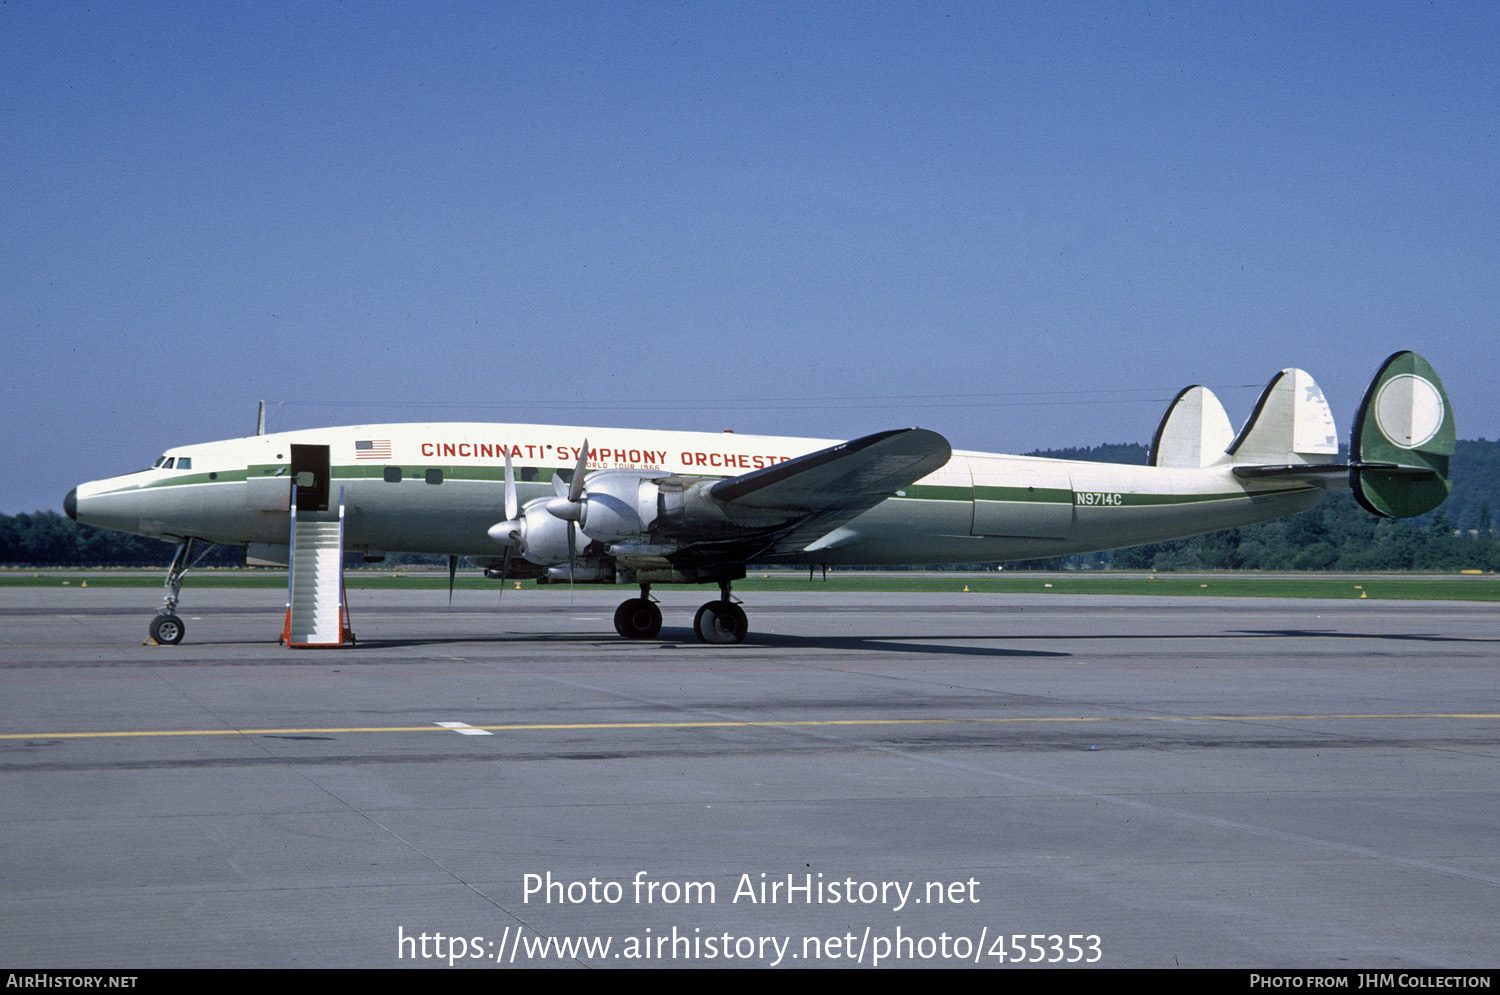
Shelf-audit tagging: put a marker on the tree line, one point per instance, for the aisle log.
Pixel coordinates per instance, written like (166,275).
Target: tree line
(47,539)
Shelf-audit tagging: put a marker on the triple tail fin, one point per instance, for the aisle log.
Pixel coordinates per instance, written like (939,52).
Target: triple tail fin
(1398,454)
(1291,424)
(1193,433)
(1402,440)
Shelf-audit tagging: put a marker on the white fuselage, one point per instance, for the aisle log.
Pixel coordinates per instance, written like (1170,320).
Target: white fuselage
(439,488)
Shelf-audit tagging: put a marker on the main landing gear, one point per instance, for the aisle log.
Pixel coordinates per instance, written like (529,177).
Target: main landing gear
(722,621)
(638,618)
(166,628)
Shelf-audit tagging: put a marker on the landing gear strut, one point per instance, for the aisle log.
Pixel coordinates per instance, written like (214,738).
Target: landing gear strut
(166,628)
(638,618)
(721,621)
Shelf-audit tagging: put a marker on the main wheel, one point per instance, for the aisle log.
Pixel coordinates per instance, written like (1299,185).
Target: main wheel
(721,622)
(167,629)
(638,618)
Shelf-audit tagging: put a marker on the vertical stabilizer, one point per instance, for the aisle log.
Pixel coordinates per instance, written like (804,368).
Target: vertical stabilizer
(1403,436)
(1291,424)
(1193,433)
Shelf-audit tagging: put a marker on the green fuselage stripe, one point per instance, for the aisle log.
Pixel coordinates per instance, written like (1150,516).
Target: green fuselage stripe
(916,492)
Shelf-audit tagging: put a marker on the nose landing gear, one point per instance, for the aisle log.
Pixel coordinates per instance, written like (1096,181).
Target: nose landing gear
(166,628)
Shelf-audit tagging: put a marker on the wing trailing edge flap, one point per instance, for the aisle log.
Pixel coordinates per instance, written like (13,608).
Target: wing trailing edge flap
(821,491)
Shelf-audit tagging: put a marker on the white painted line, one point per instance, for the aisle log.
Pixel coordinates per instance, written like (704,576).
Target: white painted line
(464,729)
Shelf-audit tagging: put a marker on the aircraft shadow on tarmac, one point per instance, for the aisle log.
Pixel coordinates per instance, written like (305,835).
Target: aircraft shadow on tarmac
(939,644)
(683,637)
(1421,637)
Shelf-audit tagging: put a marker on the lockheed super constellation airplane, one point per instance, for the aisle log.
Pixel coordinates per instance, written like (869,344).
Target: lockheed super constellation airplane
(624,506)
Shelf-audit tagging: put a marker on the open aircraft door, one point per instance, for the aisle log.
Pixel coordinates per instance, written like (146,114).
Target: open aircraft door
(311,476)
(1026,501)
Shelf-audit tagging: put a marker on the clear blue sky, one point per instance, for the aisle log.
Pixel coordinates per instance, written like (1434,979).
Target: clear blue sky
(1020,225)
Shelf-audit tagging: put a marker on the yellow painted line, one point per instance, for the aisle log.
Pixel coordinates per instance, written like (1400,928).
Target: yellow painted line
(769,723)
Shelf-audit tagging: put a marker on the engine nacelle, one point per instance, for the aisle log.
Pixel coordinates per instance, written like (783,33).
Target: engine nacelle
(537,534)
(619,505)
(631,509)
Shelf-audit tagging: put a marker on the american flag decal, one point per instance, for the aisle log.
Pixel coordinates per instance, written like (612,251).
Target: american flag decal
(373,449)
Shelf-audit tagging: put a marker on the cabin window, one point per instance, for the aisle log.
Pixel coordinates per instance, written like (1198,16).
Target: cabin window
(529,473)
(433,476)
(393,475)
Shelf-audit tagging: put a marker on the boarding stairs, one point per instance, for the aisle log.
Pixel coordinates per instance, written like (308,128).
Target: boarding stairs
(317,610)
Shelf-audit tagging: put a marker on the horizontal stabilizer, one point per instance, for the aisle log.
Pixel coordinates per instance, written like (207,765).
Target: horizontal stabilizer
(1403,437)
(1193,433)
(1318,473)
(1331,474)
(1291,424)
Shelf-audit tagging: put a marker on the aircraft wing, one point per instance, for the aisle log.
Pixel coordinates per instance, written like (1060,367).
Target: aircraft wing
(810,496)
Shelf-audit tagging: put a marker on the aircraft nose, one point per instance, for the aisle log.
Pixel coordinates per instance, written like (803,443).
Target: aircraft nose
(70,504)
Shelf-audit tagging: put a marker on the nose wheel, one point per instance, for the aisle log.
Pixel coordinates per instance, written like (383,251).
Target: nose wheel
(167,629)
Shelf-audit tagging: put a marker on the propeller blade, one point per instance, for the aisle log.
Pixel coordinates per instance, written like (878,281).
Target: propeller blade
(575,489)
(572,557)
(512,507)
(504,570)
(452,572)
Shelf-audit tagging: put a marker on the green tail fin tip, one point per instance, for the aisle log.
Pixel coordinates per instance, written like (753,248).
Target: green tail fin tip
(1402,441)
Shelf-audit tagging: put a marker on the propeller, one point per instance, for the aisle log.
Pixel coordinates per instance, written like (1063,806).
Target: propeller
(512,506)
(512,509)
(452,573)
(568,505)
(509,531)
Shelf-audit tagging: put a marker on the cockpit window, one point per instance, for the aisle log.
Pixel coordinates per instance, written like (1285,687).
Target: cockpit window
(171,461)
(158,464)
(184,462)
